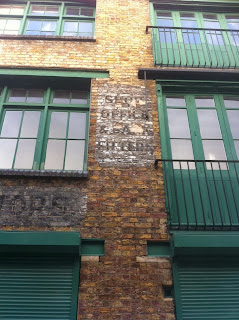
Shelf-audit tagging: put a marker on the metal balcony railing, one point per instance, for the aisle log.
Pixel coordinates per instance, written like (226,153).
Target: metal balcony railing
(195,47)
(200,194)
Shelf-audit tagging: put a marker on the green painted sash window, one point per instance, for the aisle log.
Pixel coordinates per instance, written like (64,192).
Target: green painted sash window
(43,129)
(35,18)
(178,42)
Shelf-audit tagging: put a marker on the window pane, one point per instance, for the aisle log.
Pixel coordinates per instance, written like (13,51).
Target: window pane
(214,150)
(34,25)
(18,95)
(48,25)
(5,9)
(71,26)
(233,117)
(87,12)
(62,97)
(58,125)
(11,124)
(7,151)
(175,101)
(52,11)
(2,24)
(30,124)
(38,10)
(231,102)
(79,97)
(71,11)
(17,10)
(77,125)
(25,154)
(181,149)
(12,25)
(85,27)
(237,148)
(55,154)
(204,102)
(209,125)
(35,96)
(74,155)
(178,123)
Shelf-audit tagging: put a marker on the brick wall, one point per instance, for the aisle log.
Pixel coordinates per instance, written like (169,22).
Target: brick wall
(123,200)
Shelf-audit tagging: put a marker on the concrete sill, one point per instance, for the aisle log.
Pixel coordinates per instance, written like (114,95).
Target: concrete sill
(47,38)
(44,173)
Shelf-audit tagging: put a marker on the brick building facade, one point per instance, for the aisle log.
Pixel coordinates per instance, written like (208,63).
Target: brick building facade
(115,200)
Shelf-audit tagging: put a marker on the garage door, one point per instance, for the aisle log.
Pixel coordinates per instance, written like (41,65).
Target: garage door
(206,288)
(38,286)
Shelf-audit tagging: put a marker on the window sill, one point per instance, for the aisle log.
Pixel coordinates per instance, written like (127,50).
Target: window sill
(48,38)
(44,173)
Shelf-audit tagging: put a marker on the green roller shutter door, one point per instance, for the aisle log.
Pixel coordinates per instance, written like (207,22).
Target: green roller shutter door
(206,288)
(38,286)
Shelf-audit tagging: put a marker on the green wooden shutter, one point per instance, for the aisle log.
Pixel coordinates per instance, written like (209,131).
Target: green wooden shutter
(38,286)
(207,288)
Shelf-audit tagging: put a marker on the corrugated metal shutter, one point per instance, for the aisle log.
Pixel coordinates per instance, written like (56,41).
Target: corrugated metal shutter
(207,288)
(36,286)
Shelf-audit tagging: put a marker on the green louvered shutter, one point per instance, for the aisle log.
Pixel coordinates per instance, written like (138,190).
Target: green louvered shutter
(37,286)
(207,288)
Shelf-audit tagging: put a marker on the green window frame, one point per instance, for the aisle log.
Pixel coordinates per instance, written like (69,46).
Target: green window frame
(44,129)
(47,19)
(198,112)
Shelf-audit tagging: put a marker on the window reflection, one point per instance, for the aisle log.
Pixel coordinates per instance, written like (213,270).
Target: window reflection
(166,35)
(190,36)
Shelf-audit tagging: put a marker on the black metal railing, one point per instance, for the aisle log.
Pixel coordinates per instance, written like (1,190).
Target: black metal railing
(195,47)
(201,194)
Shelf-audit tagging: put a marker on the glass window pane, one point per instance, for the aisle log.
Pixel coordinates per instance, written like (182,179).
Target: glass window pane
(231,102)
(79,97)
(214,150)
(178,123)
(34,25)
(35,96)
(77,125)
(17,10)
(209,125)
(7,151)
(11,124)
(58,125)
(237,148)
(48,26)
(2,24)
(71,26)
(12,25)
(38,10)
(30,124)
(74,155)
(25,154)
(233,117)
(62,97)
(181,149)
(175,101)
(87,12)
(33,33)
(17,95)
(204,102)
(85,27)
(52,11)
(5,9)
(55,154)
(72,11)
